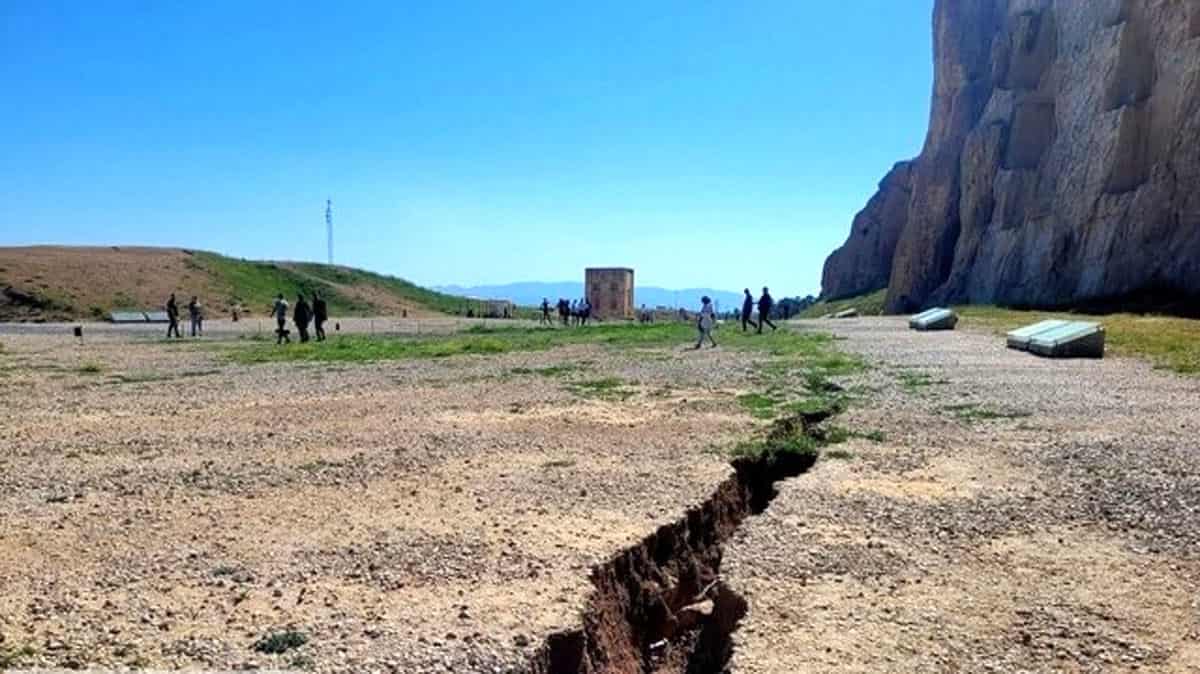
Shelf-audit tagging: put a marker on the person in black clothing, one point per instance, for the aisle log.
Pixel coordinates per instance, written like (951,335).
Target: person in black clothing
(302,316)
(320,315)
(173,317)
(765,304)
(747,308)
(564,311)
(546,311)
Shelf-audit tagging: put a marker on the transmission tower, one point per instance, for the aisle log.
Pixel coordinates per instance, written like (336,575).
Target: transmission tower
(329,227)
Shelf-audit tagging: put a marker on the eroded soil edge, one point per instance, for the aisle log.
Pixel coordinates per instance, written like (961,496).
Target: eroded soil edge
(659,606)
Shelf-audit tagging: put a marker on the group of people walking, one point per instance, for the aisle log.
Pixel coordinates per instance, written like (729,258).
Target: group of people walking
(570,312)
(316,313)
(195,313)
(707,318)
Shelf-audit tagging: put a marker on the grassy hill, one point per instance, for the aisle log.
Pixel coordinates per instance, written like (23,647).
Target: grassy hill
(867,305)
(60,283)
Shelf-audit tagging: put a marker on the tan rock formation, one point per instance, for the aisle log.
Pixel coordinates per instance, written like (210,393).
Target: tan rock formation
(1062,160)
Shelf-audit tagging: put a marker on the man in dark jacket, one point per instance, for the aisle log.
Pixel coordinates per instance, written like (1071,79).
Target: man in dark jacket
(302,316)
(765,304)
(747,309)
(320,315)
(173,317)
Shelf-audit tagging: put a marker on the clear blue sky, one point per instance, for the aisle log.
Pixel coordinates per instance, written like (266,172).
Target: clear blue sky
(718,144)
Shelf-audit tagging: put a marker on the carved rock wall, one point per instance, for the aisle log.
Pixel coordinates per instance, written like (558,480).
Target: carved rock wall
(1062,163)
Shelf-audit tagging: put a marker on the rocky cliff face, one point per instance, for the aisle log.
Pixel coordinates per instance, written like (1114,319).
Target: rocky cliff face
(1062,162)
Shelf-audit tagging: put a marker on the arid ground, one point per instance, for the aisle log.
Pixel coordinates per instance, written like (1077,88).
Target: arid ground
(208,504)
(1022,514)
(163,506)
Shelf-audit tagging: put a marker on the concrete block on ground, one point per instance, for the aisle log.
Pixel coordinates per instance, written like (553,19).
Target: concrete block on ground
(847,313)
(934,319)
(1019,339)
(1077,339)
(157,317)
(126,317)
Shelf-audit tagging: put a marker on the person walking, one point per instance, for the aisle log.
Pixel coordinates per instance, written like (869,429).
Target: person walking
(320,314)
(173,317)
(705,322)
(747,309)
(302,315)
(585,311)
(195,315)
(280,312)
(545,311)
(765,304)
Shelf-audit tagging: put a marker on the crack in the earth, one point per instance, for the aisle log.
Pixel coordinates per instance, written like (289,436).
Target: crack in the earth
(660,606)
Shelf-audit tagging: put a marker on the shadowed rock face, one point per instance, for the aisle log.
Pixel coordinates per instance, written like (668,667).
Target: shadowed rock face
(1062,162)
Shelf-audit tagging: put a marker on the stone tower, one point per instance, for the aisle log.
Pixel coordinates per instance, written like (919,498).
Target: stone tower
(610,292)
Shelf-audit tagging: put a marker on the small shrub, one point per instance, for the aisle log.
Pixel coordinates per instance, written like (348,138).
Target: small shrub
(90,368)
(280,642)
(11,657)
(608,388)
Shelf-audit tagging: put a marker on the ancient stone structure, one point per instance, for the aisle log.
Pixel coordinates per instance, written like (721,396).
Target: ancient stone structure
(1061,165)
(610,292)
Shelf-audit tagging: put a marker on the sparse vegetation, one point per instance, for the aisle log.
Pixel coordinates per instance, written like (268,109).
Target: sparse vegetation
(758,405)
(608,388)
(280,642)
(806,351)
(13,656)
(254,284)
(870,304)
(913,381)
(559,463)
(977,412)
(90,368)
(838,454)
(549,371)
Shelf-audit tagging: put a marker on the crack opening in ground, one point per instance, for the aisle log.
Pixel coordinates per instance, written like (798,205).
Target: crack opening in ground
(660,606)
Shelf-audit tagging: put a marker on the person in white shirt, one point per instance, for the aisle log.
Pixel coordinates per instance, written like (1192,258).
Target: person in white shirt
(280,312)
(706,321)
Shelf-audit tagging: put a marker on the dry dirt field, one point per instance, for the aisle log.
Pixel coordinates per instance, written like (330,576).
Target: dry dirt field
(163,507)
(569,510)
(1023,514)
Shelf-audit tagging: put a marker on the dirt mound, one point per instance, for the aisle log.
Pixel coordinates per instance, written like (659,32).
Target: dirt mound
(46,283)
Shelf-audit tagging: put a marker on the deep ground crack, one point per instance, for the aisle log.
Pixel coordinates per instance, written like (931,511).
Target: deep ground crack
(660,606)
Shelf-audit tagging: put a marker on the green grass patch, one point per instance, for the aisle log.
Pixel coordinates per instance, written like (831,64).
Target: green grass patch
(1167,342)
(791,348)
(280,642)
(608,388)
(870,304)
(758,405)
(914,381)
(836,435)
(774,448)
(550,371)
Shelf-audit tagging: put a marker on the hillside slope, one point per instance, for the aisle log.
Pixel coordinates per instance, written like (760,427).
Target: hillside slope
(1061,165)
(60,283)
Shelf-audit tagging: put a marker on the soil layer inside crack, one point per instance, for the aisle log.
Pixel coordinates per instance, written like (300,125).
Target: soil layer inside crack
(660,606)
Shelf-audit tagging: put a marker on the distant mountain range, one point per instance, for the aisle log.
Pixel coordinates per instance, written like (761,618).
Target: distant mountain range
(531,294)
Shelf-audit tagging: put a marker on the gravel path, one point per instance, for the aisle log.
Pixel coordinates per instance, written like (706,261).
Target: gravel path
(162,507)
(1021,514)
